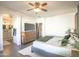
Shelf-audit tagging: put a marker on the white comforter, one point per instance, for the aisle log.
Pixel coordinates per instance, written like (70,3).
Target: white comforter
(53,46)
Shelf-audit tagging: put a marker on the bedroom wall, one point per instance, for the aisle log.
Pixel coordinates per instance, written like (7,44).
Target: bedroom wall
(17,26)
(58,25)
(1,34)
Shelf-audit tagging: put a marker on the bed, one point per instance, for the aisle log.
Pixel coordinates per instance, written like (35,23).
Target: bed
(51,48)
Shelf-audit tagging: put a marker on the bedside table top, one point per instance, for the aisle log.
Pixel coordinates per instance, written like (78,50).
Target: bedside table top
(75,49)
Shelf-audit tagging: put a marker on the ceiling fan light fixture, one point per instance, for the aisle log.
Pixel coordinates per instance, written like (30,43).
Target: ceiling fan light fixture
(37,7)
(37,10)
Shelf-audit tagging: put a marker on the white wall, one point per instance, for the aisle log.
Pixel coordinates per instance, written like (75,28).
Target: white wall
(17,26)
(1,34)
(58,25)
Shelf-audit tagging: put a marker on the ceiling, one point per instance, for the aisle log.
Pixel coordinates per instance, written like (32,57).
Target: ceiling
(7,19)
(53,7)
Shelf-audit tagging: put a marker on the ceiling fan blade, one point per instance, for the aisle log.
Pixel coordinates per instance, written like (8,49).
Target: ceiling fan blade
(31,4)
(44,4)
(29,9)
(44,9)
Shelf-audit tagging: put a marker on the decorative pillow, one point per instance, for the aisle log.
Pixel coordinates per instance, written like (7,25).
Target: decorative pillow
(71,41)
(65,41)
(76,38)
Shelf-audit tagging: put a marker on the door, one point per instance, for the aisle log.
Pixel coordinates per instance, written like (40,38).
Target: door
(38,30)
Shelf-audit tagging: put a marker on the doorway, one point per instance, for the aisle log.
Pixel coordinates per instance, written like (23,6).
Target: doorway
(7,34)
(38,30)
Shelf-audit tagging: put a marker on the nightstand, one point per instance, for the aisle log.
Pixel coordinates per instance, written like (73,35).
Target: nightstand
(75,53)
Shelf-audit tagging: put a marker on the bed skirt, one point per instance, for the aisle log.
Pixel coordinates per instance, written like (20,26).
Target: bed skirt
(44,53)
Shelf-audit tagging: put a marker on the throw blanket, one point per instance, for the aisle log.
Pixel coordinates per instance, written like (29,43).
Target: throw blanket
(45,39)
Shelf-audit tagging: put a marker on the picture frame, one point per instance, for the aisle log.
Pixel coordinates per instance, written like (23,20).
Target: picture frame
(4,26)
(14,32)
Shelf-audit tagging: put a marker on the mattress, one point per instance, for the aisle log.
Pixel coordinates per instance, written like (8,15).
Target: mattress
(53,46)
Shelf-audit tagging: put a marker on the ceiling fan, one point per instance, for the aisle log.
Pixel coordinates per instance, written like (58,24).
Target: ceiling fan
(37,6)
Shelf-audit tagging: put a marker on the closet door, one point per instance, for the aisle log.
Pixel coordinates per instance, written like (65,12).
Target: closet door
(40,29)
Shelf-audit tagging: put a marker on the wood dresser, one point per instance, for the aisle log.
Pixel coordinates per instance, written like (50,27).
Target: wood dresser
(28,36)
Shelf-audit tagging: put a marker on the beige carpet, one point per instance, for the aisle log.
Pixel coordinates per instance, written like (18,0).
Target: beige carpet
(27,51)
(6,43)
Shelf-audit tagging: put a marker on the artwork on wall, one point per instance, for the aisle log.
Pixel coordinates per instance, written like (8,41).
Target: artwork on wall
(4,26)
(7,26)
(14,32)
(10,26)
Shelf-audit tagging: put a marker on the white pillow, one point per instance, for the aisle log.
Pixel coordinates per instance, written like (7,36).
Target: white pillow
(71,40)
(76,38)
